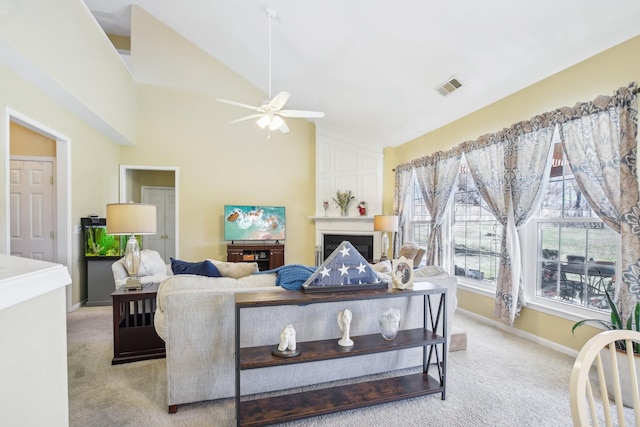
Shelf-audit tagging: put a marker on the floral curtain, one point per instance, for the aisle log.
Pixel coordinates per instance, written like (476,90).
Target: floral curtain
(404,177)
(509,169)
(436,177)
(599,140)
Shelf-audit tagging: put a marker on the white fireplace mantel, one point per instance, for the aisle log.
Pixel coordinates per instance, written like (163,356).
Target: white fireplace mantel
(348,225)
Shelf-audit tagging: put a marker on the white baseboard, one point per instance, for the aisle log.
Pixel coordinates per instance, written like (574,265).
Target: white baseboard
(515,331)
(75,307)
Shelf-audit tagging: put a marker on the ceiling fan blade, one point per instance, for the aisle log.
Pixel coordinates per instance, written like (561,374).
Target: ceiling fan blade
(283,127)
(239,104)
(279,100)
(242,119)
(301,114)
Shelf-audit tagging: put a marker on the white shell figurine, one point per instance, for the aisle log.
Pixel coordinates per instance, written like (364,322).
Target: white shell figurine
(287,339)
(389,323)
(344,321)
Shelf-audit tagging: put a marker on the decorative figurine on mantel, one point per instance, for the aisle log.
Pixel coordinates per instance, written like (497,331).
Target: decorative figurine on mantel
(344,321)
(362,208)
(287,346)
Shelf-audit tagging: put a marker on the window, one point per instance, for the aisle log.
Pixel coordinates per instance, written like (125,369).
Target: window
(419,219)
(476,232)
(576,251)
(569,256)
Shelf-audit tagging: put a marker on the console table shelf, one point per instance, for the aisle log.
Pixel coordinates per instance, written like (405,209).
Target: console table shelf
(296,406)
(289,407)
(261,357)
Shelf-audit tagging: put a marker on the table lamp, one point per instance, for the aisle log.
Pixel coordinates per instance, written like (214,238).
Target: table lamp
(385,223)
(131,219)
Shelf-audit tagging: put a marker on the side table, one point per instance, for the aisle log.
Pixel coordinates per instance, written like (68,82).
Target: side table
(134,336)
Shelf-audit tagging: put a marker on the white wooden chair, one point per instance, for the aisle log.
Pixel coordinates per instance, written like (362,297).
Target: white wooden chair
(584,404)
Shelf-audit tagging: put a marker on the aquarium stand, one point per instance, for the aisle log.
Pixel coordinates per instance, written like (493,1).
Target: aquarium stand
(100,282)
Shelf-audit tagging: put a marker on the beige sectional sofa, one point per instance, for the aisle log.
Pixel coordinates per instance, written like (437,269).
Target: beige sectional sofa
(195,317)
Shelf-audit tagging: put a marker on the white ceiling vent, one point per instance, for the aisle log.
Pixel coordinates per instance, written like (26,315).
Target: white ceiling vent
(449,86)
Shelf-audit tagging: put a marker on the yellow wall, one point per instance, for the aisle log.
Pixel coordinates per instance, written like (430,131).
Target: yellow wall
(599,75)
(59,44)
(120,42)
(176,122)
(94,158)
(180,124)
(25,142)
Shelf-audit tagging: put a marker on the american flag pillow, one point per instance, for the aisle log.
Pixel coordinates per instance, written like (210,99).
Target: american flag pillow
(345,266)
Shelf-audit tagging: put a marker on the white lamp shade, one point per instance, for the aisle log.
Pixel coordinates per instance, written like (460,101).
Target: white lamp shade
(131,218)
(385,223)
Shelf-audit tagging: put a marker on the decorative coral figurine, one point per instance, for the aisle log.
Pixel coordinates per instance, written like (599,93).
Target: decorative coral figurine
(362,208)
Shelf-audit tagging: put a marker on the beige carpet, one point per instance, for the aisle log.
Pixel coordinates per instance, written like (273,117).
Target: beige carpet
(500,380)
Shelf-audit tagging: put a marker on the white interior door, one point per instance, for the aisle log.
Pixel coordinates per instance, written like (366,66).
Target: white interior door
(32,210)
(164,241)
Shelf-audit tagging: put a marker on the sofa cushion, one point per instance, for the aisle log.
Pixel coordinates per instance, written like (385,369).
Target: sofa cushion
(235,270)
(383,267)
(408,250)
(203,268)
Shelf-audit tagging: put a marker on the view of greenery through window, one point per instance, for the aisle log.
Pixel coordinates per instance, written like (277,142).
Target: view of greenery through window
(476,233)
(576,251)
(420,220)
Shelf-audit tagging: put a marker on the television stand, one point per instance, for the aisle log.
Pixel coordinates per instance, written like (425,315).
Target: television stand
(266,256)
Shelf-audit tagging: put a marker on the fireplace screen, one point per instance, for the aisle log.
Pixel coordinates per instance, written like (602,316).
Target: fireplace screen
(362,243)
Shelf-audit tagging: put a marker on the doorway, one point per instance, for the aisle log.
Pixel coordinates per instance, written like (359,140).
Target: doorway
(134,180)
(61,214)
(164,241)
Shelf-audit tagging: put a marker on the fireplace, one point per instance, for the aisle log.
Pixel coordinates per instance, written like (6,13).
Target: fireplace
(362,243)
(356,229)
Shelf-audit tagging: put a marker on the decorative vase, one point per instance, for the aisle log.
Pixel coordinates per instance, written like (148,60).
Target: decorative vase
(344,211)
(389,323)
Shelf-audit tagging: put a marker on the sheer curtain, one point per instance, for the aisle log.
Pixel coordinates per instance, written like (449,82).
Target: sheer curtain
(509,169)
(404,178)
(599,140)
(436,177)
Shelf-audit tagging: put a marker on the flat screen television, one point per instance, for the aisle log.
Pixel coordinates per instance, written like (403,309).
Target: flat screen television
(254,222)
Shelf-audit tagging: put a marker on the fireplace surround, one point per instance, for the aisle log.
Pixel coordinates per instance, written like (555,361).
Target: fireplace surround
(358,229)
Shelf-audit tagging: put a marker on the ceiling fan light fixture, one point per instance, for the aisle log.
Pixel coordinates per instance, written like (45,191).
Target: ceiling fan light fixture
(276,122)
(264,121)
(269,112)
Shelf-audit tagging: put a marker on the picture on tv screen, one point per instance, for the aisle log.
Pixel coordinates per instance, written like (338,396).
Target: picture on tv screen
(254,222)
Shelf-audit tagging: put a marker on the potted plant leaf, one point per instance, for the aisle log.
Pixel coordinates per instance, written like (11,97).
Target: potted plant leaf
(617,322)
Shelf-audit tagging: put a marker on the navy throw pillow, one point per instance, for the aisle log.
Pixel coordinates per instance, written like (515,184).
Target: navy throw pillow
(204,268)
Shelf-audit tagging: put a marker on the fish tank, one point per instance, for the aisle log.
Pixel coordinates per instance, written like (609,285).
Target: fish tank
(97,242)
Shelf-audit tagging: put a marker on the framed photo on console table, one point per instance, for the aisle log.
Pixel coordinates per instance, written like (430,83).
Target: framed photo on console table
(402,273)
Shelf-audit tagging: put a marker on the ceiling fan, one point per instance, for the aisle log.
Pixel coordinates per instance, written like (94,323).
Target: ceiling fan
(270,114)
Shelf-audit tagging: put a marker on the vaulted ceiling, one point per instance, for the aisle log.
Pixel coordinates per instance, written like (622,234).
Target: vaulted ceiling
(374,66)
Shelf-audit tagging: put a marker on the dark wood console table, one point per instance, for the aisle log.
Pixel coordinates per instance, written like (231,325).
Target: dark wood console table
(289,407)
(134,336)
